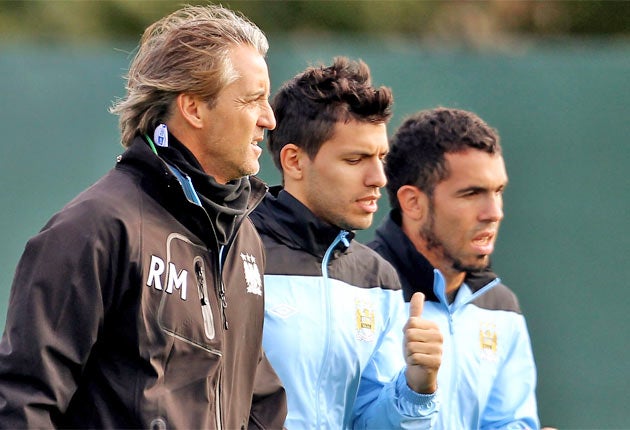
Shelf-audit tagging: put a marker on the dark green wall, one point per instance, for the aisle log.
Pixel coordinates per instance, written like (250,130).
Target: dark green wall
(563,110)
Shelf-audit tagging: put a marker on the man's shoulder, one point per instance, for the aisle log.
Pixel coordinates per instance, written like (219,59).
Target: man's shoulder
(368,251)
(112,192)
(499,298)
(376,270)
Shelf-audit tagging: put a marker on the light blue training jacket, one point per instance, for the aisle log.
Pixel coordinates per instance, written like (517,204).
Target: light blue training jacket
(487,379)
(334,314)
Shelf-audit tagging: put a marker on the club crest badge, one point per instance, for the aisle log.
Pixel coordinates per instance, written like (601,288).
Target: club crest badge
(488,341)
(365,320)
(252,274)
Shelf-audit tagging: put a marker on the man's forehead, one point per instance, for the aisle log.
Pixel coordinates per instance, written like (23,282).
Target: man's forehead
(477,164)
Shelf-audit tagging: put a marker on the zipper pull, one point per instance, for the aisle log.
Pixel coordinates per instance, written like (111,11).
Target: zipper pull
(344,238)
(223,303)
(200,281)
(206,312)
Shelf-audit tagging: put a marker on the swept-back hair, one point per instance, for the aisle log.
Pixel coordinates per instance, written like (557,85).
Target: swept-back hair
(187,51)
(417,149)
(308,106)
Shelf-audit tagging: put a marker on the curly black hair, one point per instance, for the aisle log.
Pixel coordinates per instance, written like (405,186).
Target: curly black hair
(417,148)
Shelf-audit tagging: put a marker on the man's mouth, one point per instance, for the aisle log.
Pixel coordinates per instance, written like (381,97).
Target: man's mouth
(369,204)
(484,243)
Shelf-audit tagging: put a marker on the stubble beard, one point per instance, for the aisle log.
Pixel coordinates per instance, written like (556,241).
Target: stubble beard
(346,224)
(434,243)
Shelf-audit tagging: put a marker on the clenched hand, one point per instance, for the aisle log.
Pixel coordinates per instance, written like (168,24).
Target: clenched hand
(422,348)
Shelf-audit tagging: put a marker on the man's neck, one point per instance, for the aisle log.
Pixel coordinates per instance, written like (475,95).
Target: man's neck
(454,280)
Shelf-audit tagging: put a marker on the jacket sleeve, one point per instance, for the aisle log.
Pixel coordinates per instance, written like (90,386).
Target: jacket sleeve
(269,402)
(54,313)
(512,401)
(384,399)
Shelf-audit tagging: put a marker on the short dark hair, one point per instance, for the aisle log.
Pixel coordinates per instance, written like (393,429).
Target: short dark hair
(308,106)
(417,149)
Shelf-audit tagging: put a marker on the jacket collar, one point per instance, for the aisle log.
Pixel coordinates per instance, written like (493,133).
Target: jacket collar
(139,157)
(284,218)
(157,180)
(414,270)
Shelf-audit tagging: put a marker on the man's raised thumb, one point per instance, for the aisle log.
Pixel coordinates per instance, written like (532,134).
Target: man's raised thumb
(416,305)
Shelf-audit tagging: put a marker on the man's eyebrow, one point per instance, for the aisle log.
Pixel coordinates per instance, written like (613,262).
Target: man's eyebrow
(259,92)
(365,153)
(472,188)
(480,188)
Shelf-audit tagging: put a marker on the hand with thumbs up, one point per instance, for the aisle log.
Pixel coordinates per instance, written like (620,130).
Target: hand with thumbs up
(422,348)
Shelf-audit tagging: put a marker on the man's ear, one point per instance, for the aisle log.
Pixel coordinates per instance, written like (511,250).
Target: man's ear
(292,161)
(188,107)
(413,202)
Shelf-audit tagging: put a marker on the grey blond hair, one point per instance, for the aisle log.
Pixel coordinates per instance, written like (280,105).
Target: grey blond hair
(187,51)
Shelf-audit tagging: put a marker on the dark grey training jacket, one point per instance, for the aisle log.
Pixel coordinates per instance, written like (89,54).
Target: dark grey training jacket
(119,314)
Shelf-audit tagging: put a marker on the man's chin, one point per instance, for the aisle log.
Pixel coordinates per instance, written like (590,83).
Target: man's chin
(355,224)
(251,169)
(481,264)
(363,223)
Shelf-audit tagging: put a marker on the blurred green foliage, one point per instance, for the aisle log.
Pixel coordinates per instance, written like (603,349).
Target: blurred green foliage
(472,22)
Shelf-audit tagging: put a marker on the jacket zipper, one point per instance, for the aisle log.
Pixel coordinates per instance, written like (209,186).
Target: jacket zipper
(225,248)
(217,403)
(341,237)
(191,195)
(450,311)
(221,289)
